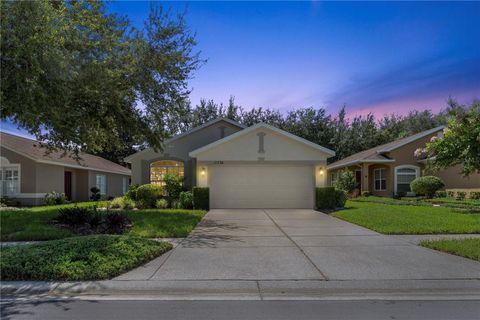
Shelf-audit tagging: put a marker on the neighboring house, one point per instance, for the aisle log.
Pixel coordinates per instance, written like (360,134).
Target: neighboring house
(255,167)
(389,168)
(27,173)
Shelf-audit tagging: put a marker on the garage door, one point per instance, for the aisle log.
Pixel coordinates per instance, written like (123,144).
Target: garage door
(261,186)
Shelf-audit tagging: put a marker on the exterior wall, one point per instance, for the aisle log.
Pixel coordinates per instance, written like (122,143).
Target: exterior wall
(27,170)
(453,179)
(50,178)
(179,150)
(114,183)
(277,147)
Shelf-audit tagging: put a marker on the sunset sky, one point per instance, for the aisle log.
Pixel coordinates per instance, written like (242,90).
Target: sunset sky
(373,57)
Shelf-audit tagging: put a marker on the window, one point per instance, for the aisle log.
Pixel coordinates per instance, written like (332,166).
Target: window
(380,179)
(159,169)
(403,177)
(333,179)
(125,185)
(10,180)
(101,180)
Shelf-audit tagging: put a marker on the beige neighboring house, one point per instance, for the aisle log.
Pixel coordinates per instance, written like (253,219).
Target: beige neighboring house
(256,167)
(389,168)
(27,173)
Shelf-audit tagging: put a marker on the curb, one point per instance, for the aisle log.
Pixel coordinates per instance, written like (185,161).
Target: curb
(246,290)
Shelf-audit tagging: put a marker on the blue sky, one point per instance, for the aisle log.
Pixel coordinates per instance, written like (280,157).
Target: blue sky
(374,57)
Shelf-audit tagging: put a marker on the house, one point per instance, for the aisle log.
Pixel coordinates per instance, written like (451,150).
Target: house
(256,167)
(27,173)
(388,169)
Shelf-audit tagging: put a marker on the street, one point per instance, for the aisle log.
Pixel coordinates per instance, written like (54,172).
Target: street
(262,310)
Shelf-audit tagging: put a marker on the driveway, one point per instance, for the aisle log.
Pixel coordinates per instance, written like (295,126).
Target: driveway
(276,244)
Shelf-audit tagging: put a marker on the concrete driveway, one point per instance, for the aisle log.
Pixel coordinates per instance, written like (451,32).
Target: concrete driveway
(274,244)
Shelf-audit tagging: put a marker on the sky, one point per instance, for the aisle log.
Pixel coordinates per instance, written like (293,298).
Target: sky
(373,57)
(370,56)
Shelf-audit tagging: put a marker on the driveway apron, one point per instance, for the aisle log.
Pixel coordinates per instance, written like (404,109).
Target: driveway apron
(288,244)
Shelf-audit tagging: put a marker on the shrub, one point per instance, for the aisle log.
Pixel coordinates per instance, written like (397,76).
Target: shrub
(161,204)
(426,185)
(148,194)
(175,204)
(53,198)
(186,200)
(173,186)
(122,203)
(461,195)
(366,194)
(132,192)
(475,195)
(74,217)
(440,194)
(346,181)
(201,198)
(325,198)
(340,198)
(89,220)
(115,223)
(95,196)
(78,258)
(451,194)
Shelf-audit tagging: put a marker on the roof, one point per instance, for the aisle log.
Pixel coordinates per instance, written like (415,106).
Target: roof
(194,153)
(186,133)
(376,154)
(31,149)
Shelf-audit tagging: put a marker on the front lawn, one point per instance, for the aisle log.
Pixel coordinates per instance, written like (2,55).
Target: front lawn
(468,248)
(409,219)
(95,257)
(34,223)
(420,201)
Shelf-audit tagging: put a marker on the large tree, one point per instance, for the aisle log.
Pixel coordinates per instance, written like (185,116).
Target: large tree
(80,78)
(460,144)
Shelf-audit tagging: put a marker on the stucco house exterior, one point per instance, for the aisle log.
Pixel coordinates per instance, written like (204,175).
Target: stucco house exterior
(389,168)
(27,173)
(256,167)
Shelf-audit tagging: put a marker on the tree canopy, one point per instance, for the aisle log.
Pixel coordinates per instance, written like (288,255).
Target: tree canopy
(80,78)
(460,144)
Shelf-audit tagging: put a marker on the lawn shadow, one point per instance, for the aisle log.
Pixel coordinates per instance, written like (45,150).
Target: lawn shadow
(209,232)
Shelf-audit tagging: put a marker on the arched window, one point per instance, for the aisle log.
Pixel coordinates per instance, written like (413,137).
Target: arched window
(403,176)
(159,169)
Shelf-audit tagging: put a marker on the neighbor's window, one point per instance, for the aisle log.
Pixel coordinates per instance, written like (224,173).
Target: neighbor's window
(10,181)
(333,178)
(403,177)
(380,179)
(159,169)
(101,180)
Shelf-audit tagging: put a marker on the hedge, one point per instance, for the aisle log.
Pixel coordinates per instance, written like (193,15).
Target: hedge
(201,198)
(325,198)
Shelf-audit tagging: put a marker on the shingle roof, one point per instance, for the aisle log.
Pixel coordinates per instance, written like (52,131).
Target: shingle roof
(375,154)
(31,149)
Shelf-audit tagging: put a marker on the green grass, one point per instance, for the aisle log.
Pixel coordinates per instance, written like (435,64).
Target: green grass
(156,223)
(468,248)
(402,219)
(79,258)
(34,223)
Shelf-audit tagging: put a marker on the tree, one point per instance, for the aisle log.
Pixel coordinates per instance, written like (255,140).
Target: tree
(80,78)
(346,181)
(460,144)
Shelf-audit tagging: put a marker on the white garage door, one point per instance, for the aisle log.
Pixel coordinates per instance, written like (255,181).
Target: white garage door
(261,186)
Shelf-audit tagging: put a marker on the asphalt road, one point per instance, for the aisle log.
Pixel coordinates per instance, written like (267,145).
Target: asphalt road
(231,310)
